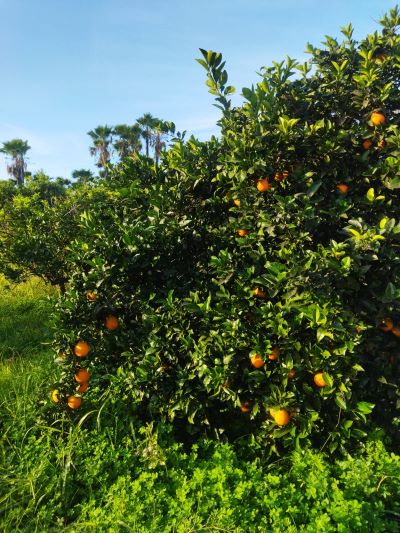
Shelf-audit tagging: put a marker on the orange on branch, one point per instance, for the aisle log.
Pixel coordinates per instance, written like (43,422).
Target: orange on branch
(263,185)
(378,118)
(112,322)
(257,361)
(342,187)
(367,143)
(82,375)
(74,402)
(319,380)
(91,296)
(81,349)
(274,355)
(281,417)
(243,232)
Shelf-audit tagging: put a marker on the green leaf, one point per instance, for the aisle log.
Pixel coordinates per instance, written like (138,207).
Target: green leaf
(370,194)
(365,407)
(340,402)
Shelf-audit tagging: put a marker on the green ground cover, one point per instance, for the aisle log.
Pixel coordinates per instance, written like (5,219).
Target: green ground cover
(102,473)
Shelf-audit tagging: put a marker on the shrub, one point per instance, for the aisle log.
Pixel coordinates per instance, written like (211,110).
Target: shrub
(305,291)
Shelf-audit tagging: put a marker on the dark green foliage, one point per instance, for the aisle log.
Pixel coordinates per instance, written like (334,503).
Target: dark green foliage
(164,255)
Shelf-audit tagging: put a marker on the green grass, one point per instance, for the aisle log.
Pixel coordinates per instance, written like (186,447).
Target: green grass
(107,473)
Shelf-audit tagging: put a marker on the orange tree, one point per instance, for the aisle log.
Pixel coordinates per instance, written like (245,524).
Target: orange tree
(253,281)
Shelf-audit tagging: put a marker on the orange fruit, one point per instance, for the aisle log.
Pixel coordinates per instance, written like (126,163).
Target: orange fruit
(278,176)
(291,373)
(257,361)
(74,402)
(245,407)
(281,417)
(91,296)
(285,174)
(386,324)
(243,232)
(274,355)
(382,144)
(263,185)
(378,118)
(83,387)
(55,396)
(236,201)
(81,349)
(396,331)
(342,187)
(82,376)
(112,322)
(259,293)
(319,380)
(367,143)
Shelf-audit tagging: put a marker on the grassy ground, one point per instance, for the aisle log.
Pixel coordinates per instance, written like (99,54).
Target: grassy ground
(107,473)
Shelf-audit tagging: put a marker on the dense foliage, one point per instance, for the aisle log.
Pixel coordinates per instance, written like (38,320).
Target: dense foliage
(108,474)
(250,285)
(38,221)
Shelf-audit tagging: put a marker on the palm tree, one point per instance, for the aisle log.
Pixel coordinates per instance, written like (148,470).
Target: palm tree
(147,123)
(16,150)
(102,138)
(161,129)
(128,139)
(82,176)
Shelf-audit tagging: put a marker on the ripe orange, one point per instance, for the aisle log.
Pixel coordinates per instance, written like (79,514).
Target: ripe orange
(274,355)
(386,324)
(236,201)
(291,373)
(91,296)
(112,322)
(243,232)
(83,387)
(74,402)
(396,331)
(319,380)
(281,417)
(367,143)
(381,144)
(342,187)
(245,407)
(278,176)
(259,293)
(257,361)
(55,396)
(81,349)
(82,376)
(378,118)
(263,185)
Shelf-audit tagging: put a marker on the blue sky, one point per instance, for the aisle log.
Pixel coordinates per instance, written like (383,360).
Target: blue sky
(69,66)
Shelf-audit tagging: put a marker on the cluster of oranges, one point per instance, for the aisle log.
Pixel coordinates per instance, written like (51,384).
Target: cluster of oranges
(281,416)
(377,119)
(81,349)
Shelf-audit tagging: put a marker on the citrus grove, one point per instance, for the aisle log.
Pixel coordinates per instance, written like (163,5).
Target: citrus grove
(250,284)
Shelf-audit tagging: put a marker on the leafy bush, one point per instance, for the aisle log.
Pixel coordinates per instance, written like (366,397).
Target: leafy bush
(251,277)
(37,224)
